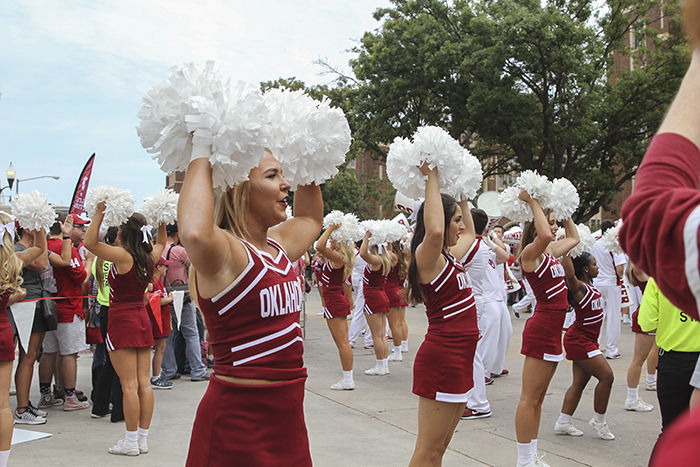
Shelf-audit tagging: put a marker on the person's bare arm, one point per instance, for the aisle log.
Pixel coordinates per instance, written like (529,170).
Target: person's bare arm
(429,259)
(37,253)
(333,256)
(298,233)
(529,258)
(468,236)
(373,260)
(563,246)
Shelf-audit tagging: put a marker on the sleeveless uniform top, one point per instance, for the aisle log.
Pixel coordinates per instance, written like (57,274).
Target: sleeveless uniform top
(373,278)
(333,278)
(253,323)
(449,302)
(548,285)
(393,279)
(317,267)
(124,289)
(589,314)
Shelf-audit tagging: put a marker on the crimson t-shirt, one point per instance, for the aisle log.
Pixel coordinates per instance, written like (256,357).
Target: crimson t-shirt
(69,282)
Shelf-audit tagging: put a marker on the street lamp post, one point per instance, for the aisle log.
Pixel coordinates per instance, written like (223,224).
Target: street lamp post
(55,177)
(11,174)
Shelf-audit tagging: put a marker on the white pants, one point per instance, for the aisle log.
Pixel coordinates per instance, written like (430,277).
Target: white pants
(612,297)
(505,333)
(528,300)
(359,322)
(476,397)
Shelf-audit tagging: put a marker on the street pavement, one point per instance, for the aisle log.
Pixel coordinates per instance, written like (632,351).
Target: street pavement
(374,425)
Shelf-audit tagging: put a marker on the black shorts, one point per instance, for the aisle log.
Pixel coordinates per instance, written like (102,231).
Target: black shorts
(40,324)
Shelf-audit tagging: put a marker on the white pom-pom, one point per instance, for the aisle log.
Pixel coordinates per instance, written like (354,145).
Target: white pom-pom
(537,186)
(585,245)
(195,97)
(610,241)
(32,211)
(334,217)
(288,211)
(309,139)
(395,231)
(402,169)
(384,231)
(562,198)
(119,204)
(513,207)
(161,208)
(459,172)
(350,230)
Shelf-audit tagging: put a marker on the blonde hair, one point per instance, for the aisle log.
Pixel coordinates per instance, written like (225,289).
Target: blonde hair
(348,252)
(385,257)
(11,270)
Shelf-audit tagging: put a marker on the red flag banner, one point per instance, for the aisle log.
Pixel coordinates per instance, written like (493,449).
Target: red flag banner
(77,204)
(154,305)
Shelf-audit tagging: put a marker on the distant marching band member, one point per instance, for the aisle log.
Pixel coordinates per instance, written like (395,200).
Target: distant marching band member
(442,370)
(581,345)
(11,292)
(376,301)
(542,333)
(244,283)
(341,259)
(395,292)
(129,336)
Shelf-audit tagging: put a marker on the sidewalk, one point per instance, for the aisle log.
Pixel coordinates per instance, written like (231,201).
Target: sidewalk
(374,425)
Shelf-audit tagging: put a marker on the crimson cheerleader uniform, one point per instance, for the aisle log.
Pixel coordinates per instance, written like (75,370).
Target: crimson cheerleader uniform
(581,339)
(254,332)
(128,324)
(542,332)
(7,337)
(335,302)
(635,316)
(163,331)
(443,368)
(394,289)
(373,283)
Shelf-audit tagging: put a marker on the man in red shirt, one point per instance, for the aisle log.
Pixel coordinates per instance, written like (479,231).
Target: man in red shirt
(69,338)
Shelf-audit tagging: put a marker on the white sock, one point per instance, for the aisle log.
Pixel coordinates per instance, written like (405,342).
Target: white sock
(564,418)
(632,394)
(533,448)
(599,417)
(379,364)
(397,351)
(385,363)
(132,437)
(404,345)
(4,455)
(347,377)
(143,433)
(524,454)
(651,378)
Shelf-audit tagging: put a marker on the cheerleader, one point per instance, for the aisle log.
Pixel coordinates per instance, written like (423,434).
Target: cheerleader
(379,261)
(160,331)
(541,343)
(442,370)
(10,292)
(645,348)
(341,259)
(129,336)
(581,345)
(243,281)
(395,292)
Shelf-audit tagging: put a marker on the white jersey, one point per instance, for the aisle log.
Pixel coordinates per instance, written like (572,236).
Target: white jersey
(480,261)
(607,277)
(358,270)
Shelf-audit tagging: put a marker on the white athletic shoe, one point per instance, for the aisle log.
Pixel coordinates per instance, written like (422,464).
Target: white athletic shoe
(536,462)
(651,386)
(638,406)
(602,429)
(376,371)
(393,358)
(143,445)
(343,386)
(124,449)
(567,429)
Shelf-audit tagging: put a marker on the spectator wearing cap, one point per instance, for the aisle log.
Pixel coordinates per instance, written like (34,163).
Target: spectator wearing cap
(69,338)
(161,327)
(78,234)
(177,275)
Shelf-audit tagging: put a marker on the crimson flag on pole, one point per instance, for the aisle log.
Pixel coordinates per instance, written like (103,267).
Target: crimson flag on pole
(77,204)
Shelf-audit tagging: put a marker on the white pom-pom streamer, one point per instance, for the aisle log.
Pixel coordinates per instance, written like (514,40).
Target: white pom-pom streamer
(350,230)
(309,139)
(562,198)
(585,245)
(402,169)
(119,204)
(32,211)
(195,97)
(161,208)
(610,241)
(470,177)
(536,185)
(334,217)
(513,207)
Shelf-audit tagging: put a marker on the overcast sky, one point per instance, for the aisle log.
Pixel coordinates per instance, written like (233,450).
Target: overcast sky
(72,73)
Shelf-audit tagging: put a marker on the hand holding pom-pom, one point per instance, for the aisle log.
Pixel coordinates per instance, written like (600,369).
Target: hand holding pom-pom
(334,217)
(118,204)
(161,208)
(562,198)
(610,241)
(585,245)
(535,184)
(32,211)
(513,205)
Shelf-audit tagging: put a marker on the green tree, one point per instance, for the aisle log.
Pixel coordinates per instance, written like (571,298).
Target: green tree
(528,81)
